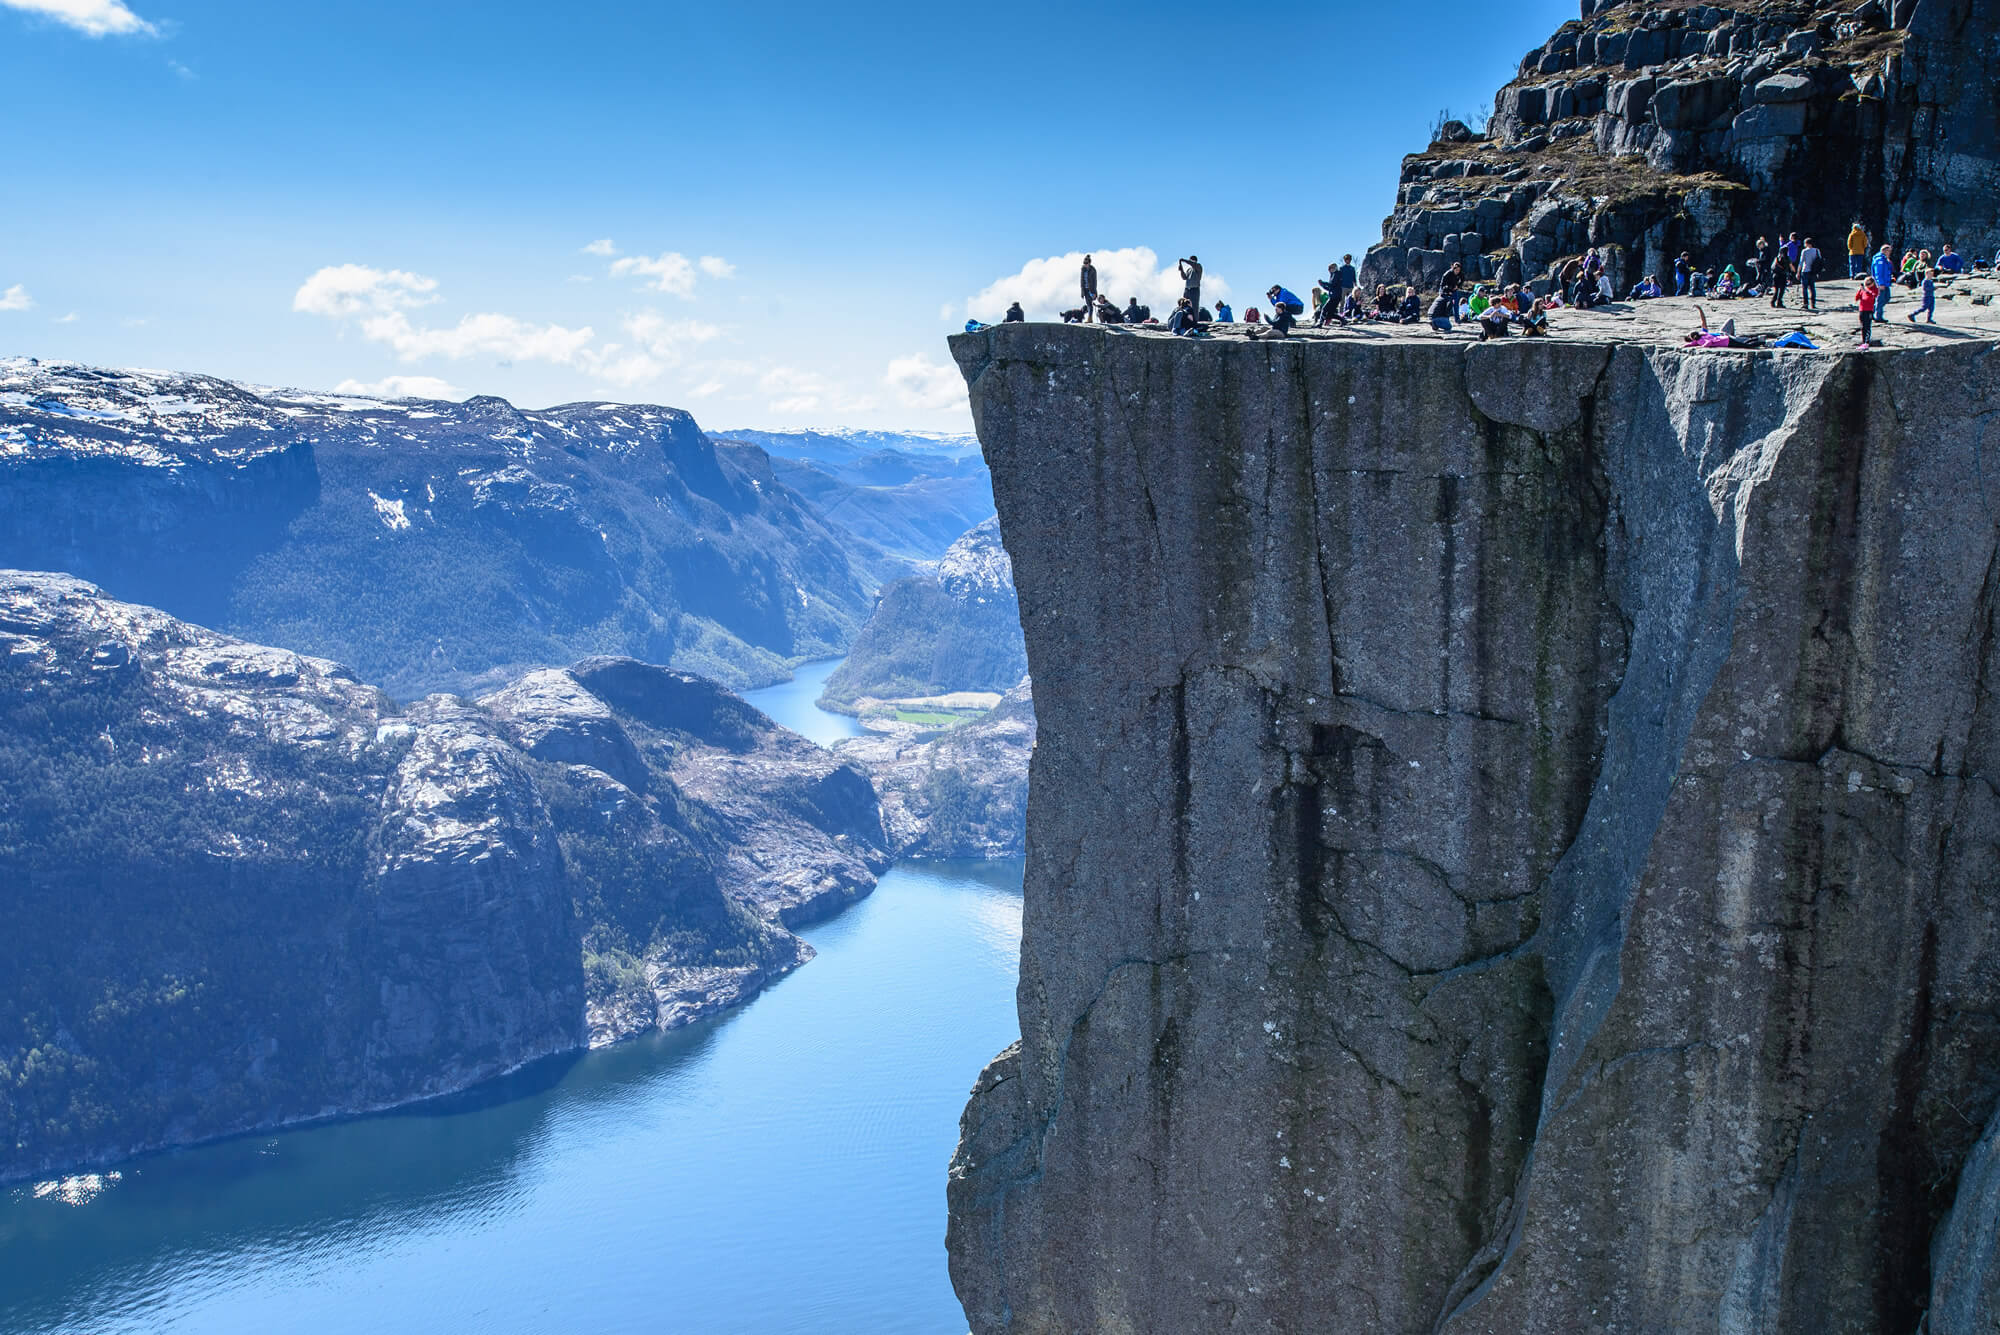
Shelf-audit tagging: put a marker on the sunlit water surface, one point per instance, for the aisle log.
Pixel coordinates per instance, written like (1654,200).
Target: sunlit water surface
(778,1169)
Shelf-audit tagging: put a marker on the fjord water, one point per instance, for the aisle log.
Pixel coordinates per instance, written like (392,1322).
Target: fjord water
(778,1169)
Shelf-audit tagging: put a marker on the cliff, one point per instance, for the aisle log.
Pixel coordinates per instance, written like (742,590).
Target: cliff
(245,889)
(1511,844)
(430,545)
(1650,128)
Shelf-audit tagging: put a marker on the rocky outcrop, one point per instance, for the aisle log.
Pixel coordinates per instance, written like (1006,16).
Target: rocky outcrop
(430,545)
(959,794)
(957,628)
(1512,839)
(245,889)
(1648,129)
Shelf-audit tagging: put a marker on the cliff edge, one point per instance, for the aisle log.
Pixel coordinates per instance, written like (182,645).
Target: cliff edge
(1512,842)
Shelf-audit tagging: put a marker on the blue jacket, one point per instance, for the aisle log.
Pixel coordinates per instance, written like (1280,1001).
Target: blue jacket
(1885,272)
(1286,297)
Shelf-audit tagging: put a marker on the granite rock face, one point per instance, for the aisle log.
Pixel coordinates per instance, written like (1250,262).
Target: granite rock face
(242,888)
(1511,846)
(1648,129)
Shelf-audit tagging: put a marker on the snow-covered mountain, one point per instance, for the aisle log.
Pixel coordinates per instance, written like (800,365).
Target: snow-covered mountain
(429,544)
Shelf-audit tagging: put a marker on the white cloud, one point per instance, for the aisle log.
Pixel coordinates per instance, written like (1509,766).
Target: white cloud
(341,290)
(705,389)
(671,272)
(92,18)
(71,318)
(601,246)
(613,364)
(921,383)
(380,301)
(1045,287)
(16,298)
(797,403)
(182,70)
(666,338)
(402,387)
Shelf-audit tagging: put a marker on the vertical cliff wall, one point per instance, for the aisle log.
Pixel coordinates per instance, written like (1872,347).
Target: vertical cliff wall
(1511,844)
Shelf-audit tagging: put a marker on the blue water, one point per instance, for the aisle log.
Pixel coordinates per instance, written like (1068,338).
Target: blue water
(791,703)
(778,1169)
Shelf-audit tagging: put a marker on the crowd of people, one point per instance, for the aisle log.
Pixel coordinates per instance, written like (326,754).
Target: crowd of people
(1775,269)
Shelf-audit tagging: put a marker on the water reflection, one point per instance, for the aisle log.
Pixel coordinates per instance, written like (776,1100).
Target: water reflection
(778,1169)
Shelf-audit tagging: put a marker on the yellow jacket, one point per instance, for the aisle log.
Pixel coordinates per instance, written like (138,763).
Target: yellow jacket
(1857,242)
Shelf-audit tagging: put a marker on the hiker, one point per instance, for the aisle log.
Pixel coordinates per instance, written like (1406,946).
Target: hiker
(1350,309)
(1476,307)
(1322,305)
(1950,261)
(1284,306)
(1857,251)
(1493,322)
(1087,279)
(1683,274)
(1730,285)
(1251,317)
(1781,277)
(1191,282)
(1106,313)
(1135,313)
(1809,262)
(1454,278)
(1884,274)
(1535,324)
(1385,303)
(1645,289)
(1792,249)
(1568,277)
(1014,315)
(1182,321)
(1441,312)
(1204,315)
(1224,314)
(1344,276)
(1410,309)
(1864,301)
(1698,285)
(1927,303)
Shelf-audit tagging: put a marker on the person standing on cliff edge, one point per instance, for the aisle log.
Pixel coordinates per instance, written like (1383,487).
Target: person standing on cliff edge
(1191,282)
(1857,251)
(1088,281)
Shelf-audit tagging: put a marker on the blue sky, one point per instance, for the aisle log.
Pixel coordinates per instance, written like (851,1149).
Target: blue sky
(796,201)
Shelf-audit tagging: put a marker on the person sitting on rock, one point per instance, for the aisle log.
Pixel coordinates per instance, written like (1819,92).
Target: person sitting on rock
(1284,307)
(1411,308)
(1250,316)
(1729,285)
(1014,315)
(1645,289)
(1385,303)
(1950,261)
(1699,281)
(1535,322)
(1135,313)
(1224,314)
(1493,321)
(1350,309)
(1476,307)
(1182,321)
(1104,312)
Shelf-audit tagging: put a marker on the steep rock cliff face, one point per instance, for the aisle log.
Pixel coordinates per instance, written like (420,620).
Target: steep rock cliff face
(1650,127)
(1510,845)
(241,888)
